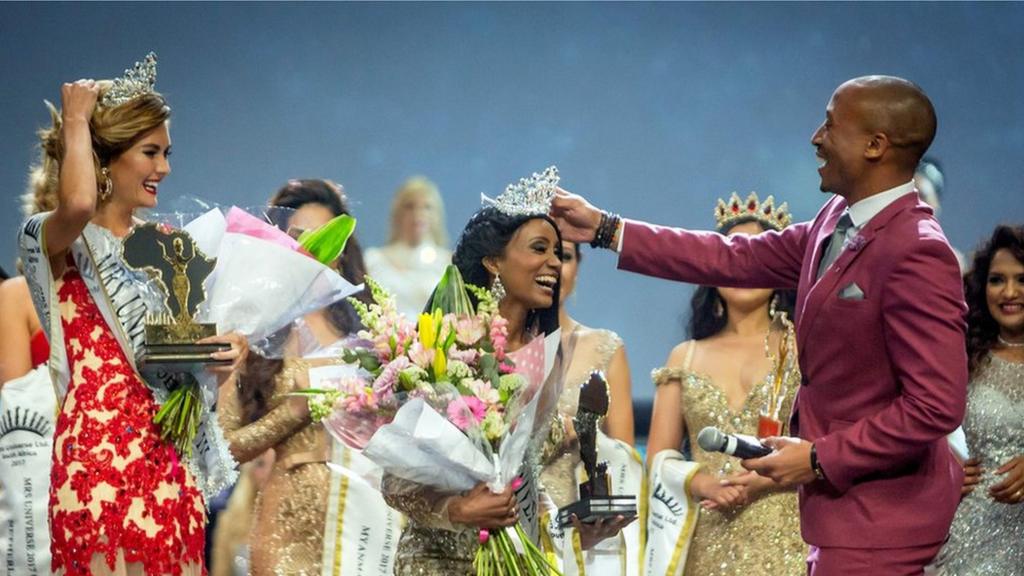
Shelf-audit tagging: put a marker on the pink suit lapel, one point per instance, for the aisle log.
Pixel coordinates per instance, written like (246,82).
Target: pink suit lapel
(819,291)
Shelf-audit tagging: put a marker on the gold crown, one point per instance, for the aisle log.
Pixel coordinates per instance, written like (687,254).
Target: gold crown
(765,212)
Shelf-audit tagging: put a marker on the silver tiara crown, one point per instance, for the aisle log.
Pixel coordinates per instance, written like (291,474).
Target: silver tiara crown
(137,81)
(531,195)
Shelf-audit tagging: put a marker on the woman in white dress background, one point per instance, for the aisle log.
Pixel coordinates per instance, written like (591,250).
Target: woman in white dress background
(416,254)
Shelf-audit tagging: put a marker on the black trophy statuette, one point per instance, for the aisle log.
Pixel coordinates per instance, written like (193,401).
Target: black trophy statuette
(595,502)
(178,269)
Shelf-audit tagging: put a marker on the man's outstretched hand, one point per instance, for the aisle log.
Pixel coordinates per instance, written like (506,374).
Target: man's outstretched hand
(577,219)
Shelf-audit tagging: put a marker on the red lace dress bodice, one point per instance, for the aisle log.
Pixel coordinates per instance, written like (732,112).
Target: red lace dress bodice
(121,502)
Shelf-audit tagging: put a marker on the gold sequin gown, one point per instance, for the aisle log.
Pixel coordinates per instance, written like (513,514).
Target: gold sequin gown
(430,544)
(762,538)
(288,523)
(987,537)
(592,350)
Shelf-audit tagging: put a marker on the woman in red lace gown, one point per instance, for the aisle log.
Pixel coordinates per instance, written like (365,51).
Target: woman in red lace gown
(122,501)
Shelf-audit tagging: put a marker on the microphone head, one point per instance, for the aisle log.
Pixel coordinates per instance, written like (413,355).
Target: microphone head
(711,439)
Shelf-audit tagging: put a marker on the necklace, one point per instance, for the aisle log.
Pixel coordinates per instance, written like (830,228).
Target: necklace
(1009,343)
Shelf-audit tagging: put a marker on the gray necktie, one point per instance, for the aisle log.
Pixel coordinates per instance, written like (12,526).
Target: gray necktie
(835,243)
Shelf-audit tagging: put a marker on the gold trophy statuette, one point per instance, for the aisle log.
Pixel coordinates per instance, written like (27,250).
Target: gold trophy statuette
(170,256)
(595,501)
(780,347)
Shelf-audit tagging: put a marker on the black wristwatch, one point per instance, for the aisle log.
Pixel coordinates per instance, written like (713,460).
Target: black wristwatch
(815,465)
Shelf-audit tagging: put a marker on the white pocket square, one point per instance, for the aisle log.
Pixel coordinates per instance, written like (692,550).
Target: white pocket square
(851,292)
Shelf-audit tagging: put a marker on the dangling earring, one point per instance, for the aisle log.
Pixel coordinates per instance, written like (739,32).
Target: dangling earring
(718,310)
(108,185)
(497,289)
(773,306)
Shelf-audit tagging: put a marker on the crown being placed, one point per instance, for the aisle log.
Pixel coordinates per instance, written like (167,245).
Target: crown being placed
(764,212)
(137,81)
(529,196)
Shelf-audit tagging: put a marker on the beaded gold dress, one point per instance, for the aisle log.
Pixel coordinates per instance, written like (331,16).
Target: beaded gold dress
(592,349)
(288,522)
(986,536)
(430,545)
(762,537)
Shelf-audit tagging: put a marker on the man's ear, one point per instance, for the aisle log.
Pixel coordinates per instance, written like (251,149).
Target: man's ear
(877,146)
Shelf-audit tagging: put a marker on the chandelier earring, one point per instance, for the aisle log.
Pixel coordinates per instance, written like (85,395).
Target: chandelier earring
(498,289)
(773,306)
(108,185)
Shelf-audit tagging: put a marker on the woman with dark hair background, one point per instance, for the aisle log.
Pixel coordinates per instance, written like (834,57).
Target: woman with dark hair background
(259,414)
(719,379)
(989,524)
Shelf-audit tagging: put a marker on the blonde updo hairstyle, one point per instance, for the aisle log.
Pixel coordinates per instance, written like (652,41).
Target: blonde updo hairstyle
(113,130)
(413,188)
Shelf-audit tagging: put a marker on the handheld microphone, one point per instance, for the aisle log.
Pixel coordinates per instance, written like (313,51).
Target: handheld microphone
(712,439)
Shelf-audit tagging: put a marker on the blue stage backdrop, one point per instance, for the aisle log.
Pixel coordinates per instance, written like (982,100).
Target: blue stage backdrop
(651,110)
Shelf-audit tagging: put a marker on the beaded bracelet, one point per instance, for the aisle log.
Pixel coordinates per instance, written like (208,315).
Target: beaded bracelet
(605,230)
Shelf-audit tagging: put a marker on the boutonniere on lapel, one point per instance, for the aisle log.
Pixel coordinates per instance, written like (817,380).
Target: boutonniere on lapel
(854,244)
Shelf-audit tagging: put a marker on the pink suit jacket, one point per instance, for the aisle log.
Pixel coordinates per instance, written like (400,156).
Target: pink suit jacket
(884,375)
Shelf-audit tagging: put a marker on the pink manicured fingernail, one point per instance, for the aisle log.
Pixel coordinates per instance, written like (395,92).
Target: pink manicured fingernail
(484,536)
(517,482)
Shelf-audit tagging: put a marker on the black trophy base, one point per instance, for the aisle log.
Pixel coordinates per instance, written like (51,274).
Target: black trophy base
(181,357)
(590,510)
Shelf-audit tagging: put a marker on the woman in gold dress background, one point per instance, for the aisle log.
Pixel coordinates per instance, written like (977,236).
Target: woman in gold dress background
(259,414)
(719,378)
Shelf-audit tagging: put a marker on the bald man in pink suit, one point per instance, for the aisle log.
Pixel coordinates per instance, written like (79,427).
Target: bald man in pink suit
(880,330)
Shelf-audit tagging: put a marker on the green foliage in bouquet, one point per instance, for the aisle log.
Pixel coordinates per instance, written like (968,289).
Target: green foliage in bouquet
(497,555)
(450,295)
(180,415)
(327,242)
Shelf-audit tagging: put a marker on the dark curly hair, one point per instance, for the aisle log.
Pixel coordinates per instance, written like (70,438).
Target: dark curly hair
(259,371)
(982,329)
(704,322)
(487,234)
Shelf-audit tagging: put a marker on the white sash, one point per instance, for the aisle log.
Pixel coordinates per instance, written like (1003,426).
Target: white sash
(361,531)
(28,411)
(671,514)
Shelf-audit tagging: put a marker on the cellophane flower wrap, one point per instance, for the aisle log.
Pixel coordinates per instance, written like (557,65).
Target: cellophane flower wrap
(440,403)
(262,281)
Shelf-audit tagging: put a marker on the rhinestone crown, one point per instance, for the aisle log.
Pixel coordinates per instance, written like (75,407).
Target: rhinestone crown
(529,196)
(136,81)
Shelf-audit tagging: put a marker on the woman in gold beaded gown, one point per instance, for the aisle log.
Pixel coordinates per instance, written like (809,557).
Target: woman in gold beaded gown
(587,349)
(719,378)
(288,528)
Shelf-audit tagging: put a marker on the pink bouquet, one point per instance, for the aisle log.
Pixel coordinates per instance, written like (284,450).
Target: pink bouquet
(441,403)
